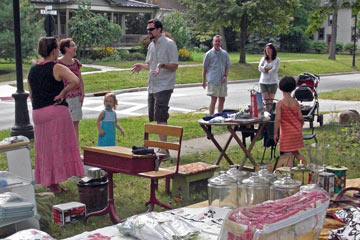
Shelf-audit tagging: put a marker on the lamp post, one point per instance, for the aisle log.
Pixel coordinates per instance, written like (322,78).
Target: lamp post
(355,38)
(22,122)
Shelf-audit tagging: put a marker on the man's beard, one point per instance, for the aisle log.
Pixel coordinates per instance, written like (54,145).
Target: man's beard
(152,37)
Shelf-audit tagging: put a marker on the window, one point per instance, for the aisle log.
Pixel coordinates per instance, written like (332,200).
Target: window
(136,22)
(330,18)
(321,33)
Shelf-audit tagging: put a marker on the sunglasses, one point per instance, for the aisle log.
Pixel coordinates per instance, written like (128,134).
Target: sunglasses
(150,29)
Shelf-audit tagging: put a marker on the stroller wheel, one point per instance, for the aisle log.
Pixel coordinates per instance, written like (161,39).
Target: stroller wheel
(320,119)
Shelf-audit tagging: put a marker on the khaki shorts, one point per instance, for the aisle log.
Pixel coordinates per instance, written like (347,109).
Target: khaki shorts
(217,90)
(75,108)
(268,88)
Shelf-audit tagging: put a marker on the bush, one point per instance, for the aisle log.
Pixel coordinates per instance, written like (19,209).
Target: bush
(339,47)
(106,52)
(201,49)
(185,55)
(349,47)
(319,46)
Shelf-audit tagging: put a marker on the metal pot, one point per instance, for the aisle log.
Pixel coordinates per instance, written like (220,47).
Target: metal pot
(284,187)
(253,190)
(223,191)
(94,172)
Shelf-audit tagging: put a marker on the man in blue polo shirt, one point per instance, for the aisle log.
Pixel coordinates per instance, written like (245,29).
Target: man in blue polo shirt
(216,66)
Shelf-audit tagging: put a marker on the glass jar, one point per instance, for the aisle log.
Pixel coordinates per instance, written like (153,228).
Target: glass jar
(236,174)
(284,187)
(253,190)
(302,174)
(266,175)
(223,191)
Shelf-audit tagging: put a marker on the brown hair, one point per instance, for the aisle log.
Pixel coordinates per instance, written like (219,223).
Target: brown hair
(156,23)
(112,95)
(64,43)
(274,52)
(46,46)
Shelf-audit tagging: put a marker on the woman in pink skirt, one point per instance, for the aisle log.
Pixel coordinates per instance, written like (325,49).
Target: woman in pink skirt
(57,156)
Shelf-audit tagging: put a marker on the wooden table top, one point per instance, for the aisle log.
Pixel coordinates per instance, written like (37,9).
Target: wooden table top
(115,151)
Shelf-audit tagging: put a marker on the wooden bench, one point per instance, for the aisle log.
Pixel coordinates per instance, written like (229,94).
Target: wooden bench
(188,175)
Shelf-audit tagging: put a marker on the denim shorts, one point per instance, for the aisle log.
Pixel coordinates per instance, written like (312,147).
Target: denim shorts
(158,106)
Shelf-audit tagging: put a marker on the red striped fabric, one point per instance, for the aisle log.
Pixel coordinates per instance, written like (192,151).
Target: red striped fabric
(290,129)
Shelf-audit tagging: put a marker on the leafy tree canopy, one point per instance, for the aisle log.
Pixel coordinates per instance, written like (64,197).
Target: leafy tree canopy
(244,17)
(91,30)
(30,33)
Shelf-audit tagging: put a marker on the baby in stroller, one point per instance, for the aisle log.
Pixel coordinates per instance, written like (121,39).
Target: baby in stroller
(306,94)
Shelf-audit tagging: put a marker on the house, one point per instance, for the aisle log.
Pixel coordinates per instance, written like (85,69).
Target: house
(345,28)
(131,15)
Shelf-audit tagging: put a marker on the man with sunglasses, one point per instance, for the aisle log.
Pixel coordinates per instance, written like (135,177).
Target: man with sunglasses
(162,63)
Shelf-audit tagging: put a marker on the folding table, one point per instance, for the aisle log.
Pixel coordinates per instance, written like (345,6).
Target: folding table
(233,126)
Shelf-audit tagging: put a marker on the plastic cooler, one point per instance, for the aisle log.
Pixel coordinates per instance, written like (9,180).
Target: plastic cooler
(298,217)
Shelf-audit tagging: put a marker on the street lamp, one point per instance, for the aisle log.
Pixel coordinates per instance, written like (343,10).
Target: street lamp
(22,122)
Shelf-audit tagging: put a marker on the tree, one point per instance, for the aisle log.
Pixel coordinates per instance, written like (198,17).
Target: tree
(91,30)
(175,23)
(296,39)
(320,14)
(243,16)
(30,33)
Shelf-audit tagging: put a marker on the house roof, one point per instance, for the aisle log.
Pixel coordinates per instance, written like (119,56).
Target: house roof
(132,3)
(117,3)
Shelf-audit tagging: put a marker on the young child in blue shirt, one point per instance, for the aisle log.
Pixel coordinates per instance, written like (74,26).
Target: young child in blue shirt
(107,121)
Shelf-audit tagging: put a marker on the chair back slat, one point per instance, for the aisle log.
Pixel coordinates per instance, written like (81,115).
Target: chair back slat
(166,130)
(159,144)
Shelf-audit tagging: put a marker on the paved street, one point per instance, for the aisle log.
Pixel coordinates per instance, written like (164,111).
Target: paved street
(192,99)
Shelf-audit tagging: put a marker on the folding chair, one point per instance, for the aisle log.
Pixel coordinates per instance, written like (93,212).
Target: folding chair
(165,130)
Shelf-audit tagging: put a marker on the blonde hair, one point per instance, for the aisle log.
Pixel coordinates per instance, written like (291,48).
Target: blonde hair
(112,95)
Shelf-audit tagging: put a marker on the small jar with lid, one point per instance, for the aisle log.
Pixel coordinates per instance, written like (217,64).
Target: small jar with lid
(284,187)
(236,174)
(253,190)
(223,191)
(301,173)
(266,174)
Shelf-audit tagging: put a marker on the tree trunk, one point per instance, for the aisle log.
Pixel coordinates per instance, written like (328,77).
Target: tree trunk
(243,38)
(222,33)
(332,51)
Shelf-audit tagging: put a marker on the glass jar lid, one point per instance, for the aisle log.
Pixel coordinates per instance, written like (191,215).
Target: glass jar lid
(235,173)
(222,179)
(266,175)
(254,181)
(287,182)
(300,168)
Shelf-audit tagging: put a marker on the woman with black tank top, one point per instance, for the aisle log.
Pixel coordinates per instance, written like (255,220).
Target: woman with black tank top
(57,156)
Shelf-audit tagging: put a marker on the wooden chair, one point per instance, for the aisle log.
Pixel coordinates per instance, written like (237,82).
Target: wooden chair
(165,130)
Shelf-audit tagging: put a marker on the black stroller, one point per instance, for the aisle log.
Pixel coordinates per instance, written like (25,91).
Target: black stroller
(306,94)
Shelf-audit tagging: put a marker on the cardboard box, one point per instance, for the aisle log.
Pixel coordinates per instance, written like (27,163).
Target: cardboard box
(68,212)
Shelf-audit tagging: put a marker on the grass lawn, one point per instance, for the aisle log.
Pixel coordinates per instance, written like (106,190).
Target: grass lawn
(131,192)
(344,95)
(315,63)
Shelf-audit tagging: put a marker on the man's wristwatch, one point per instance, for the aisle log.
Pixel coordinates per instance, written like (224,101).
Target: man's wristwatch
(161,65)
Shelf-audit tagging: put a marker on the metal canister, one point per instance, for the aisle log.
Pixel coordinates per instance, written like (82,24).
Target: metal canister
(327,182)
(302,174)
(340,177)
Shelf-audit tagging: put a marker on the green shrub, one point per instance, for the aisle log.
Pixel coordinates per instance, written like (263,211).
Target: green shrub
(185,55)
(319,46)
(339,47)
(349,47)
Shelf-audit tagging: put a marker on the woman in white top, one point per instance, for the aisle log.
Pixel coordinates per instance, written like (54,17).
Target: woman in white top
(269,67)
